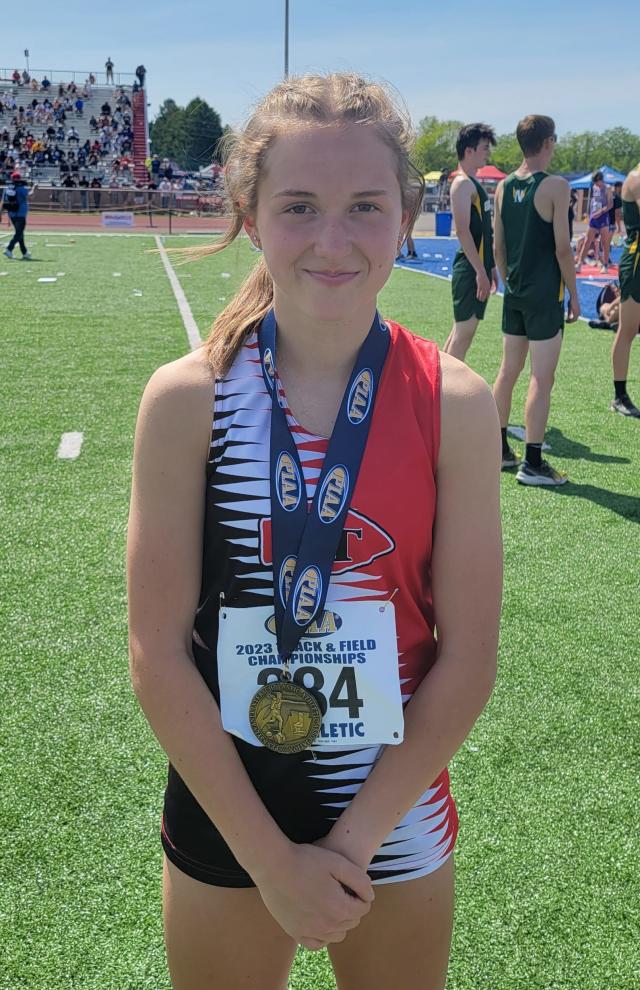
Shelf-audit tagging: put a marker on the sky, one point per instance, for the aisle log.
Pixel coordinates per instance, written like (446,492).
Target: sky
(469,61)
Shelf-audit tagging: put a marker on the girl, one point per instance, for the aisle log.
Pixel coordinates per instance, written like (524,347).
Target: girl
(306,774)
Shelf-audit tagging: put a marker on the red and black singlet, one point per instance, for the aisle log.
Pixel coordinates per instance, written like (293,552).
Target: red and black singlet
(385,551)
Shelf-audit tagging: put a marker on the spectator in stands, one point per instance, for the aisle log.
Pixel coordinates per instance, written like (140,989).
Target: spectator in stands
(93,123)
(96,185)
(72,135)
(155,168)
(109,67)
(79,107)
(140,73)
(34,85)
(165,189)
(72,88)
(16,203)
(61,89)
(16,78)
(26,78)
(46,84)
(83,185)
(105,109)
(92,79)
(68,183)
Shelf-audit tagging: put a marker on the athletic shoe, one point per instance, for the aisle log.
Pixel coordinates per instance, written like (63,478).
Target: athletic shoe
(8,253)
(625,407)
(600,325)
(544,475)
(27,256)
(511,460)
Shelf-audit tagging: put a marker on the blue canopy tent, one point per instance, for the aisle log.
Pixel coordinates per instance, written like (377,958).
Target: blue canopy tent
(610,176)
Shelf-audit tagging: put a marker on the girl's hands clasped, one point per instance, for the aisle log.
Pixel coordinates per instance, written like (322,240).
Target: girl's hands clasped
(305,894)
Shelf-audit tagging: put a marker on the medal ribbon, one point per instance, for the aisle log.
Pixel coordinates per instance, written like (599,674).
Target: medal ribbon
(305,540)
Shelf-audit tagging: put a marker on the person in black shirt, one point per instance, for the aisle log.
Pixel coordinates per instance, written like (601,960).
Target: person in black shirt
(615,213)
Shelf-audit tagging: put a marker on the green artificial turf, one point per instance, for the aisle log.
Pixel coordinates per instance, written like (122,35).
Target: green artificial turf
(546,785)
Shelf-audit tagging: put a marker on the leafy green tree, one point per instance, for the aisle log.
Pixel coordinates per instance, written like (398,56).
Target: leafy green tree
(202,132)
(621,148)
(188,135)
(507,153)
(435,148)
(618,147)
(167,132)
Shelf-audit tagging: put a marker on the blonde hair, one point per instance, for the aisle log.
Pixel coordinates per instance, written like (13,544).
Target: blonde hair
(331,100)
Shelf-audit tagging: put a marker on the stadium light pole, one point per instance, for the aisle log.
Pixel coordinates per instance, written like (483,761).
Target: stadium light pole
(286,39)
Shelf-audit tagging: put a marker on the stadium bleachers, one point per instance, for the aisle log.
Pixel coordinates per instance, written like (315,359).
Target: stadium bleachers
(99,95)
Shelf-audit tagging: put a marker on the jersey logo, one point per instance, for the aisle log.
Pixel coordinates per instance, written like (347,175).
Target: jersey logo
(333,494)
(288,485)
(306,596)
(518,195)
(359,398)
(362,541)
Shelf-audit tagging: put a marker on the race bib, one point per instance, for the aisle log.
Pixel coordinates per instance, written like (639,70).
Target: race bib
(348,660)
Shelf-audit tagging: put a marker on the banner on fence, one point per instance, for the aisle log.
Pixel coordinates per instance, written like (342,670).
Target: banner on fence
(117,218)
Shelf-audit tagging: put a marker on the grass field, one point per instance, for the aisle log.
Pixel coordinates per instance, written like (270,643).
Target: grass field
(547,784)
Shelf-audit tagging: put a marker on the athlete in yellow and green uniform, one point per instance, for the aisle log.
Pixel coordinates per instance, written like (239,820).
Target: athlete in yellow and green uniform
(474,272)
(534,257)
(629,270)
(464,289)
(534,287)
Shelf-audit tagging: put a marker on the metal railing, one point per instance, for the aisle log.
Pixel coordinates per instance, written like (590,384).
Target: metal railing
(70,75)
(59,199)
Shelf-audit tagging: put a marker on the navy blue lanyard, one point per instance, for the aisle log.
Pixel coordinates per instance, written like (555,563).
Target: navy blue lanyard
(305,540)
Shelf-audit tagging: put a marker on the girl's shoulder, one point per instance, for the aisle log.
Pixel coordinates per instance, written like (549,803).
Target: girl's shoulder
(181,392)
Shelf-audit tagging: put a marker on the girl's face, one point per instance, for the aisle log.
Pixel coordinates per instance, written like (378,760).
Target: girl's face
(329,219)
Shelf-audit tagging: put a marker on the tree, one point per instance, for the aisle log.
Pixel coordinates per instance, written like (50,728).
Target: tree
(435,148)
(167,132)
(202,132)
(621,148)
(618,147)
(507,153)
(188,135)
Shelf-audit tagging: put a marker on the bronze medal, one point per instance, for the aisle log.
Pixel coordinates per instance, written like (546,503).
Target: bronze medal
(285,717)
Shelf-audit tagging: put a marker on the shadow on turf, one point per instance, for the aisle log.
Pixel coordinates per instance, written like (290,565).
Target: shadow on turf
(627,506)
(564,447)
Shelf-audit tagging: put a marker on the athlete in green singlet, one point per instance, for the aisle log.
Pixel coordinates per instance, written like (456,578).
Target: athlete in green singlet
(474,274)
(534,257)
(629,268)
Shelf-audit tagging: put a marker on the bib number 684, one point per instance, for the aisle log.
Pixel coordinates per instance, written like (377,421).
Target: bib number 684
(343,695)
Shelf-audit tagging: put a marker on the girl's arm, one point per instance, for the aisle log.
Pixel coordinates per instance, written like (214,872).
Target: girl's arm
(467,585)
(301,887)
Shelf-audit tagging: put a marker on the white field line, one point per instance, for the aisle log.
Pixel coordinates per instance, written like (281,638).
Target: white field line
(70,445)
(190,325)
